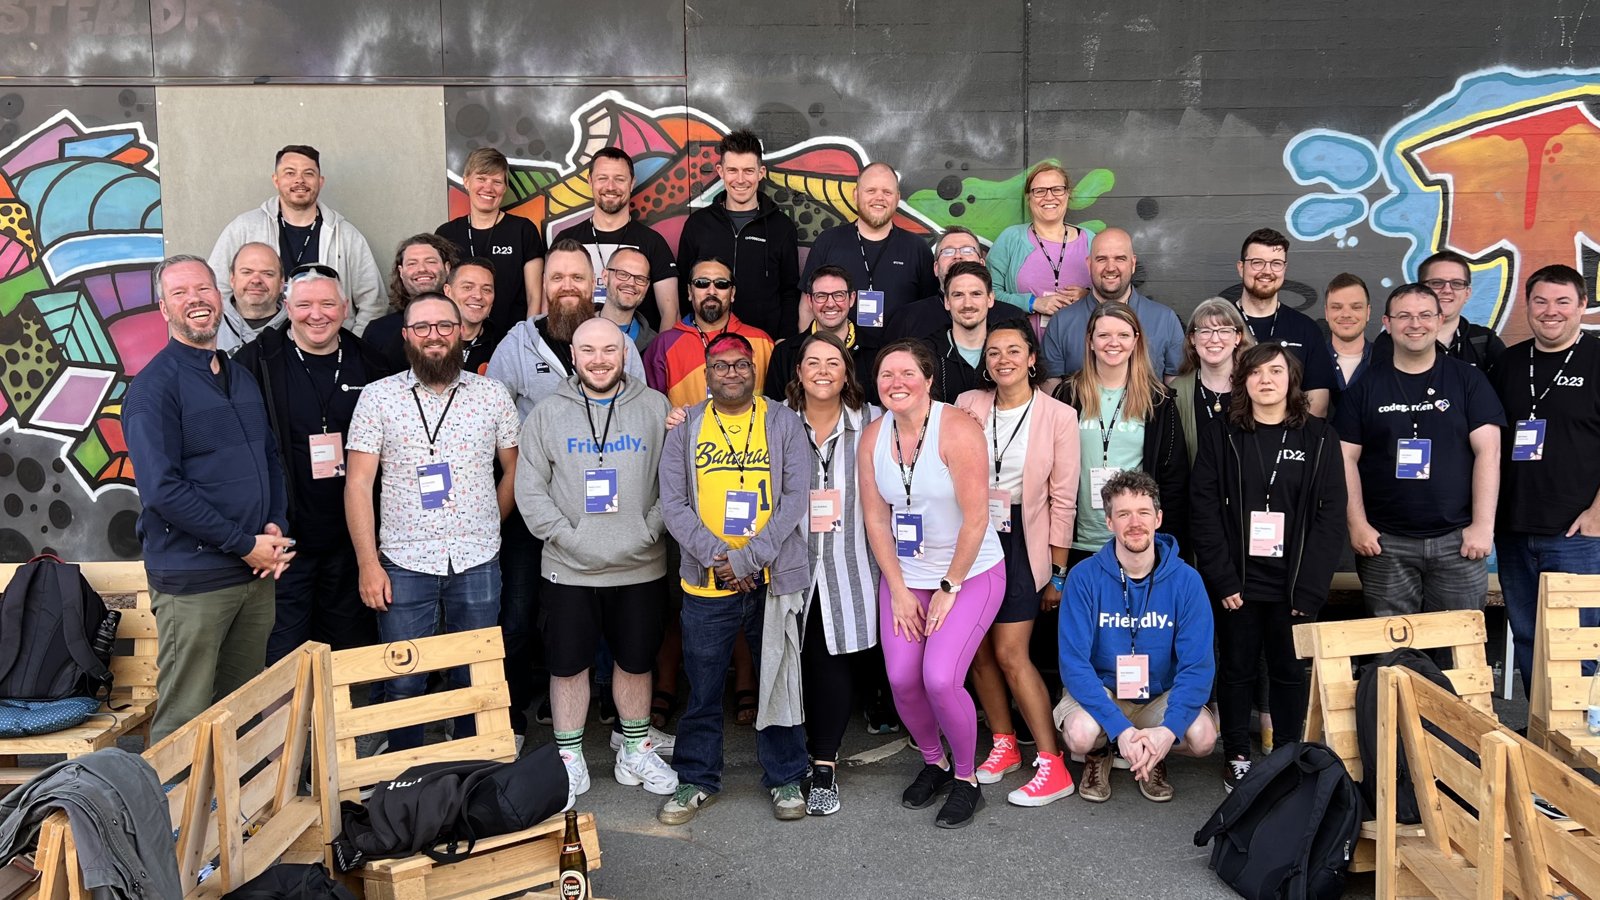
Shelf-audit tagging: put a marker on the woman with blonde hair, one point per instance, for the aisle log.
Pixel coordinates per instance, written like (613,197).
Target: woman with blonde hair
(1216,338)
(1043,264)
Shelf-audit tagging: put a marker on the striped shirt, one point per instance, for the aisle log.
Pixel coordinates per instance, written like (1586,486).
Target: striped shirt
(843,572)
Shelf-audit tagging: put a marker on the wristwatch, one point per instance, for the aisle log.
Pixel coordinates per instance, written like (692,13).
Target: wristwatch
(1058,571)
(949,587)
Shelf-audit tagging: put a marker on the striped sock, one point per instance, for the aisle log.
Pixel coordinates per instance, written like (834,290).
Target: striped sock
(634,733)
(571,741)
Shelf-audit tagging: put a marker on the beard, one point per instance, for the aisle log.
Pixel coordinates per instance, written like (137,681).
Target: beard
(611,206)
(567,313)
(875,221)
(190,334)
(600,387)
(431,371)
(1251,289)
(711,310)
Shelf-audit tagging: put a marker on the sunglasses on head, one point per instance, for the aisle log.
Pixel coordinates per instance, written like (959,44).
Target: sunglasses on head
(314,269)
(720,284)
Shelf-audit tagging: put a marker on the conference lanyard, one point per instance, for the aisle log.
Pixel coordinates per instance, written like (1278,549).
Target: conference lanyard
(1212,407)
(1271,332)
(1055,264)
(1105,430)
(1410,408)
(873,267)
(611,408)
(1127,603)
(1261,463)
(283,229)
(434,434)
(994,433)
(322,404)
(1533,412)
(826,462)
(472,249)
(738,459)
(907,475)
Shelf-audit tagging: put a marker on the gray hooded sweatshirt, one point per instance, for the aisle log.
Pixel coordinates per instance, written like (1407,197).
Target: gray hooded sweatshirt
(236,332)
(557,444)
(531,369)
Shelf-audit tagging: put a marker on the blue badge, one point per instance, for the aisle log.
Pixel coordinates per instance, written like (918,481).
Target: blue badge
(1412,458)
(869,309)
(908,535)
(739,514)
(433,480)
(599,490)
(1528,444)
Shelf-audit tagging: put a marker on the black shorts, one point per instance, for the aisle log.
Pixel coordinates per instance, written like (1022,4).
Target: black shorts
(573,617)
(1021,603)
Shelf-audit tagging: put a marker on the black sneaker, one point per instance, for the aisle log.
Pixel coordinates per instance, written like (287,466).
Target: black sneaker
(1024,734)
(931,782)
(542,716)
(822,797)
(963,803)
(1238,768)
(608,709)
(882,718)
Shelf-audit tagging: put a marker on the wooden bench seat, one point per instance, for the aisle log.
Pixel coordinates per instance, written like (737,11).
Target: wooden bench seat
(1559,701)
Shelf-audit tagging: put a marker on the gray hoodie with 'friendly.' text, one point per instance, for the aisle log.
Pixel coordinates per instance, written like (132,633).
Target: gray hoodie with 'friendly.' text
(557,446)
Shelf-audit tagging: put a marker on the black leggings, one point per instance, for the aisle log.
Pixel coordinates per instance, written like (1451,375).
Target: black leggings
(828,688)
(1242,635)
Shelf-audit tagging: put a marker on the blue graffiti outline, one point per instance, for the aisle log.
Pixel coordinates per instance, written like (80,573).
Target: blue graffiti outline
(1332,229)
(1360,144)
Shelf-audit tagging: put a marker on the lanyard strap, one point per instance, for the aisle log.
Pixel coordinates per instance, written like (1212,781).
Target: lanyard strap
(1212,407)
(1261,463)
(873,266)
(338,365)
(1127,603)
(706,339)
(605,261)
(907,475)
(434,434)
(1427,392)
(749,433)
(1055,264)
(994,432)
(1533,411)
(500,214)
(1105,430)
(826,462)
(1271,332)
(611,408)
(283,229)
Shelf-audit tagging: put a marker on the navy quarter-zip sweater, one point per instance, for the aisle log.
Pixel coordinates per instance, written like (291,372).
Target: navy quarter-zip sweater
(206,466)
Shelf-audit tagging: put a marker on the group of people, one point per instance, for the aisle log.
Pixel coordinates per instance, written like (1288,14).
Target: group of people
(933,466)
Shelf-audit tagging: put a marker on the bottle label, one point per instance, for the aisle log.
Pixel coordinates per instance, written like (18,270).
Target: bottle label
(1594,720)
(574,885)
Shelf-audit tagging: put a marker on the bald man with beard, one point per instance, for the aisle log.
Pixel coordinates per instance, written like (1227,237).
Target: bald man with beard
(1111,265)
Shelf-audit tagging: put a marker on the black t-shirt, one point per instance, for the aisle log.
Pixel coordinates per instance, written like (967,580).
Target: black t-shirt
(299,244)
(1377,412)
(1276,456)
(901,266)
(1209,406)
(319,502)
(1545,495)
(928,316)
(742,217)
(512,243)
(639,236)
(1298,332)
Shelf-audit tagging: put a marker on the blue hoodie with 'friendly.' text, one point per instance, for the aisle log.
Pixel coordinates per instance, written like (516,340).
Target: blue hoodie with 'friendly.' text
(1174,624)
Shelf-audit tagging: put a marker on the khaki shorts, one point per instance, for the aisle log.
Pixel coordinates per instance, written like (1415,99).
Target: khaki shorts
(1143,715)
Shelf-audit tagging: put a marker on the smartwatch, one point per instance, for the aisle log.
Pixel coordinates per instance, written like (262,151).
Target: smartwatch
(949,587)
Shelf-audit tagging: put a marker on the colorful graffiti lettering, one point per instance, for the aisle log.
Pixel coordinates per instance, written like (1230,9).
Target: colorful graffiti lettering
(1501,169)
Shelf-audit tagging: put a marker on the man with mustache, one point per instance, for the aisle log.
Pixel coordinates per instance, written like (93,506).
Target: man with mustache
(1263,264)
(256,278)
(675,364)
(435,433)
(1111,265)
(212,488)
(626,283)
(613,227)
(422,262)
(587,487)
(890,267)
(306,230)
(1136,649)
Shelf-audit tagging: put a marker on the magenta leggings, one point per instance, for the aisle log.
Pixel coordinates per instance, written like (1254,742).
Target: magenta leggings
(929,678)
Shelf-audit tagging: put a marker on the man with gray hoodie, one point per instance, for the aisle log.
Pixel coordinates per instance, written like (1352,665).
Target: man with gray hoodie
(255,279)
(586,486)
(306,231)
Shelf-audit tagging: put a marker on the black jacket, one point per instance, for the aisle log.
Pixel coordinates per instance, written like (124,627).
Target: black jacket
(266,358)
(1315,534)
(1474,344)
(765,263)
(1166,458)
(951,375)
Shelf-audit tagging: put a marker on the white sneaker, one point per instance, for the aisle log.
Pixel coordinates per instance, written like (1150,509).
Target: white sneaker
(577,772)
(646,768)
(660,740)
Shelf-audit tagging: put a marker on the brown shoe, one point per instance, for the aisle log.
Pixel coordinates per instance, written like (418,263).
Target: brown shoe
(1156,788)
(1095,785)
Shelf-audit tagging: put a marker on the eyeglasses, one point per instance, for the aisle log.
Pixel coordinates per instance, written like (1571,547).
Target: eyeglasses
(743,366)
(1275,265)
(969,252)
(628,277)
(841,297)
(720,284)
(1224,332)
(1408,318)
(422,329)
(1054,190)
(1455,284)
(314,269)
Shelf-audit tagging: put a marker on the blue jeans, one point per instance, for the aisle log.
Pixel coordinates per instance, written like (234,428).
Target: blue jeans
(710,626)
(471,600)
(1522,557)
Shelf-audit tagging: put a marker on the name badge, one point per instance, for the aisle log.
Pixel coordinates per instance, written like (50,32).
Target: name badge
(1000,510)
(869,309)
(1412,458)
(1528,444)
(908,535)
(599,490)
(1097,480)
(739,514)
(1133,676)
(433,480)
(599,293)
(327,455)
(827,510)
(1266,534)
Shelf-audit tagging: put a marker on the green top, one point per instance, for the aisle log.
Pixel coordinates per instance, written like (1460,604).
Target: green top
(971,356)
(1126,451)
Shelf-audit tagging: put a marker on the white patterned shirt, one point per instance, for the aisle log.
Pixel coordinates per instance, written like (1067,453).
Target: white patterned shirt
(480,421)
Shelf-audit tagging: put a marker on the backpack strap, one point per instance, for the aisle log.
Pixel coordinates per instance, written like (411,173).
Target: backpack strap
(13,604)
(75,629)
(1480,345)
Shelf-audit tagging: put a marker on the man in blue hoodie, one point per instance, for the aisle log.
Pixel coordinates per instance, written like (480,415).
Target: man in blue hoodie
(1136,654)
(214,512)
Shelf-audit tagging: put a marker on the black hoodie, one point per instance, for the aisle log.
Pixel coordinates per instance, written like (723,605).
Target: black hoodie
(766,263)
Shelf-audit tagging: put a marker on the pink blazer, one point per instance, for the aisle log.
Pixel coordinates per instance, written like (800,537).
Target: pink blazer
(1049,474)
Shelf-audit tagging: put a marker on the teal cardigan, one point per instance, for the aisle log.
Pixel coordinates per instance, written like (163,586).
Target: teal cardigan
(1005,260)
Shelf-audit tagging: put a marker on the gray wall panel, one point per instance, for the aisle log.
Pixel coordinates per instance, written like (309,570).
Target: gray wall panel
(297,38)
(75,38)
(545,39)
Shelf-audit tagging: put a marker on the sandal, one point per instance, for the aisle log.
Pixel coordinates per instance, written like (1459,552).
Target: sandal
(745,707)
(662,705)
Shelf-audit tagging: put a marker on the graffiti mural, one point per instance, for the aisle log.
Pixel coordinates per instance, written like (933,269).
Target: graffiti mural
(80,228)
(1501,169)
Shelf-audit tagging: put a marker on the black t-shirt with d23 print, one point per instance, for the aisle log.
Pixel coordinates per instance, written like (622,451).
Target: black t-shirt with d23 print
(1544,496)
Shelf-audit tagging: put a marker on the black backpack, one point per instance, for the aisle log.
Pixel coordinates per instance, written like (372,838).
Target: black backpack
(1405,796)
(451,803)
(1288,830)
(291,881)
(49,617)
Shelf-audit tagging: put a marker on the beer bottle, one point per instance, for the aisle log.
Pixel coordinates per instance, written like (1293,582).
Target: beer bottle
(573,882)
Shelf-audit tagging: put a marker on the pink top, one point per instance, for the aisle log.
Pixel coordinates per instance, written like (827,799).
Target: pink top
(1038,274)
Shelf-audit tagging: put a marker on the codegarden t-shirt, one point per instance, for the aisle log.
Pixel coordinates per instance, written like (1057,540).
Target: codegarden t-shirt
(1376,412)
(1544,496)
(512,243)
(639,236)
(1298,332)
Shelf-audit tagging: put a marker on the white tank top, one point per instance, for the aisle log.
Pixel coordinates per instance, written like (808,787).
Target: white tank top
(933,496)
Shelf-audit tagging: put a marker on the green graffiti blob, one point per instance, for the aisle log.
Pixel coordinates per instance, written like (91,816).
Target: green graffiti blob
(990,207)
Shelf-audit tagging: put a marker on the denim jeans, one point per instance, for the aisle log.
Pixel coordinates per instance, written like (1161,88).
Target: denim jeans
(1417,575)
(471,600)
(1522,557)
(710,626)
(520,554)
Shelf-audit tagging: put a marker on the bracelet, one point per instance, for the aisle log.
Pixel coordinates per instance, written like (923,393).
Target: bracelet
(1059,582)
(1031,299)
